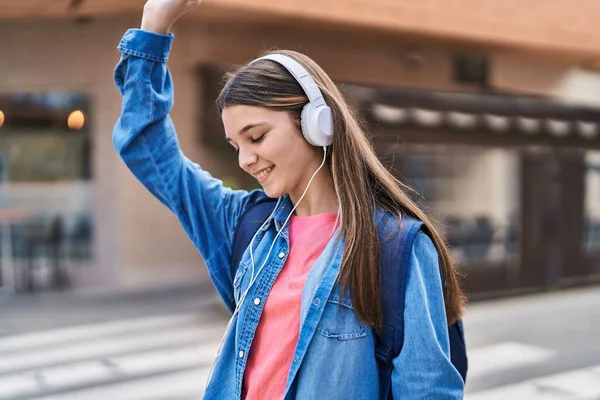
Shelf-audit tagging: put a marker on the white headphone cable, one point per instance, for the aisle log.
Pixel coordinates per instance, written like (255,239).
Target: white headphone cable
(252,277)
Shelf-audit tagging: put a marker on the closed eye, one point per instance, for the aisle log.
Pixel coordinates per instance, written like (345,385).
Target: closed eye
(258,139)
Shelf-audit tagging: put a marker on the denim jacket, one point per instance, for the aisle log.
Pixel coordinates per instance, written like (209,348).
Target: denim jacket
(334,357)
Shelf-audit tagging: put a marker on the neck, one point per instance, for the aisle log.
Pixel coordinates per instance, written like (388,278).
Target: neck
(320,197)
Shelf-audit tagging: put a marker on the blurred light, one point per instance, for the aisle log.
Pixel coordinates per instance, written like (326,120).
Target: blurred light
(390,115)
(529,125)
(462,120)
(558,128)
(1,118)
(587,129)
(427,118)
(497,123)
(76,120)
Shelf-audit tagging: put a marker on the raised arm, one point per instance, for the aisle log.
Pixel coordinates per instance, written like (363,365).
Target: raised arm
(145,138)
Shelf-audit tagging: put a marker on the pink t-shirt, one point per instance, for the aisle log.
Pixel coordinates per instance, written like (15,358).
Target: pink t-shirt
(277,333)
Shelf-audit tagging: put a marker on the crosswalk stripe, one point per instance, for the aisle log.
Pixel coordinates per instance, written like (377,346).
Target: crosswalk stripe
(187,384)
(107,370)
(502,356)
(107,346)
(66,335)
(571,385)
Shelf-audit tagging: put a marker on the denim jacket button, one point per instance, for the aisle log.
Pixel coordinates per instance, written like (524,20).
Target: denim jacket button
(316,302)
(241,354)
(257,301)
(281,255)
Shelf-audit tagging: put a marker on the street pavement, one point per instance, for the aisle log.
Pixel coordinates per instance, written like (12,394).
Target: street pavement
(161,345)
(544,346)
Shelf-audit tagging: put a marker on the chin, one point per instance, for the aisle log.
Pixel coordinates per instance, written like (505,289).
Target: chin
(273,193)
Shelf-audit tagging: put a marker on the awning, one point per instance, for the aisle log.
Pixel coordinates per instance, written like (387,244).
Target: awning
(531,120)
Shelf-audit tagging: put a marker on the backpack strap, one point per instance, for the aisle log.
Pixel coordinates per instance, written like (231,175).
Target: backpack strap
(395,260)
(396,243)
(248,224)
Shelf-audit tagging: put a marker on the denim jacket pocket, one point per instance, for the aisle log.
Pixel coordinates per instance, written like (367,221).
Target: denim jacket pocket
(339,320)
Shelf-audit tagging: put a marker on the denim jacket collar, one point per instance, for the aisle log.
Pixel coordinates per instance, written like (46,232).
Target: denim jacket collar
(278,217)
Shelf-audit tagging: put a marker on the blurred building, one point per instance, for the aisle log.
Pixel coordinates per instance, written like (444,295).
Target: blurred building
(490,110)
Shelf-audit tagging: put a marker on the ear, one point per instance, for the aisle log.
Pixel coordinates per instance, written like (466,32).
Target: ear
(294,117)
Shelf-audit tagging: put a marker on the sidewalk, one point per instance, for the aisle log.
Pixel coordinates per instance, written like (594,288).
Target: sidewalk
(146,345)
(542,346)
(27,313)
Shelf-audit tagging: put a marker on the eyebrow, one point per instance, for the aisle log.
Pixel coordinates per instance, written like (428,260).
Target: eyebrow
(246,129)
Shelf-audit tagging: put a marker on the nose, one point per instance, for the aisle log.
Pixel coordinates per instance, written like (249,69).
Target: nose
(246,158)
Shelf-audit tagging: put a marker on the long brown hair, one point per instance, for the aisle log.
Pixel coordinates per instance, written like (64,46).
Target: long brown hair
(361,182)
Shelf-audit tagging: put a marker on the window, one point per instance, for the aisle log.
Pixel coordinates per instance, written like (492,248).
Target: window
(44,137)
(473,191)
(45,182)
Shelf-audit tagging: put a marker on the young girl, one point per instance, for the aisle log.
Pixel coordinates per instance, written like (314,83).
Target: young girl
(307,290)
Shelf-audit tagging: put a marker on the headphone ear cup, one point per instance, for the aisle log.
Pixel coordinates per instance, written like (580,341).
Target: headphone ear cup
(323,126)
(305,123)
(317,125)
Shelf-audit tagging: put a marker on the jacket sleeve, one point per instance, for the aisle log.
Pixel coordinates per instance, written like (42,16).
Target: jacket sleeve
(423,369)
(145,138)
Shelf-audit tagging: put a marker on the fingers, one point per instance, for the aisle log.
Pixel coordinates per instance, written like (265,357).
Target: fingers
(160,15)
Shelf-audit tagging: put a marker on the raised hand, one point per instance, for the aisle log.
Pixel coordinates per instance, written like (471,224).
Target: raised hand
(160,15)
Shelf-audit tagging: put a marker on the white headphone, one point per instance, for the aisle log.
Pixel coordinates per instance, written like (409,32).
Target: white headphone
(316,118)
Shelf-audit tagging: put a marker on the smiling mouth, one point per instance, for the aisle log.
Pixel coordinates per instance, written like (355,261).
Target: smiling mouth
(262,175)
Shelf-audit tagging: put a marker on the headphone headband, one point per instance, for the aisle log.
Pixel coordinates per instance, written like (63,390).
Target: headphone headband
(300,74)
(316,117)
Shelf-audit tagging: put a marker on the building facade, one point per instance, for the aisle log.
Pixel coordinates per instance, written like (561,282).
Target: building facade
(487,110)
